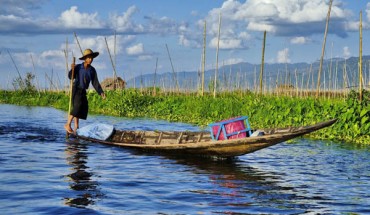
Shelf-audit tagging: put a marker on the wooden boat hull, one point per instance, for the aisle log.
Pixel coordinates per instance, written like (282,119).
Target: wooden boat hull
(201,144)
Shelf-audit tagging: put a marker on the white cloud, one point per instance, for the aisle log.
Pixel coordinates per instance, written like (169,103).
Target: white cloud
(135,49)
(353,25)
(50,59)
(72,18)
(232,61)
(283,56)
(98,44)
(244,35)
(163,25)
(145,57)
(228,43)
(20,9)
(290,11)
(255,26)
(346,52)
(257,10)
(283,18)
(184,41)
(124,23)
(299,40)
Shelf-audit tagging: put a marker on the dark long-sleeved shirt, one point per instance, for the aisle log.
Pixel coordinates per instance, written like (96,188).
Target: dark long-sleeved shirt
(83,77)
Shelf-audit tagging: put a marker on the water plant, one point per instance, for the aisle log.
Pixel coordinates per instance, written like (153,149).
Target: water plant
(353,116)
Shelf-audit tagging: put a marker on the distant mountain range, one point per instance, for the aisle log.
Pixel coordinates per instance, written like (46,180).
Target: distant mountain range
(336,73)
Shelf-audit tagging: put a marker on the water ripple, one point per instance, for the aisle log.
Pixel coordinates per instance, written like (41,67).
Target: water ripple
(43,173)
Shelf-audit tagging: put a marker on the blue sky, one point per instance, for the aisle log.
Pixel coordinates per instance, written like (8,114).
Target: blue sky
(35,32)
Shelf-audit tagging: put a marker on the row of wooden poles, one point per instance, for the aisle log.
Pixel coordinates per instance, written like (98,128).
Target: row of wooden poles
(336,82)
(300,88)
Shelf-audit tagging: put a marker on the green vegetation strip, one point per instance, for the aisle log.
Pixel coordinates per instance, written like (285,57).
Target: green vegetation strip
(264,111)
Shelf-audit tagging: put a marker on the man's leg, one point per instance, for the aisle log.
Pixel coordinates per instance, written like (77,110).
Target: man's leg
(67,126)
(77,124)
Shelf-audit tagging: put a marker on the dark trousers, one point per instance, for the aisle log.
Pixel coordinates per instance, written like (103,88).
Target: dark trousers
(80,103)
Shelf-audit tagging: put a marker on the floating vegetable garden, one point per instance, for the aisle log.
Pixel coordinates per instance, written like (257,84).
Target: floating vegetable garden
(264,111)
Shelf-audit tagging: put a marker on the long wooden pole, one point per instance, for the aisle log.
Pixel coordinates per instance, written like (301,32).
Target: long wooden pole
(323,49)
(173,70)
(204,56)
(360,59)
(34,72)
(113,65)
(19,74)
(155,78)
(263,61)
(70,92)
(78,43)
(66,58)
(71,87)
(218,45)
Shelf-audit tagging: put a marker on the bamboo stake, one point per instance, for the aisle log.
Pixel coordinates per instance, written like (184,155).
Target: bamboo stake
(330,68)
(302,86)
(78,43)
(50,79)
(19,74)
(255,80)
(173,70)
(155,77)
(312,78)
(114,66)
(263,61)
(218,45)
(230,78)
(323,49)
(199,77)
(345,82)
(224,77)
(360,59)
(58,83)
(115,49)
(66,58)
(324,82)
(38,85)
(34,72)
(336,77)
(308,79)
(296,82)
(141,82)
(204,56)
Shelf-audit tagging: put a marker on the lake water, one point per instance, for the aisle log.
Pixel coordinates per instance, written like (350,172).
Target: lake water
(43,173)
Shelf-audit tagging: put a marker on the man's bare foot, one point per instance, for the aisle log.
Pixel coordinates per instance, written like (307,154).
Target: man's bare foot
(68,129)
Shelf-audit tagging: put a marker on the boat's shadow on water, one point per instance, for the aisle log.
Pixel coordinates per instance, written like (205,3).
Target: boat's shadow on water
(242,184)
(238,185)
(234,182)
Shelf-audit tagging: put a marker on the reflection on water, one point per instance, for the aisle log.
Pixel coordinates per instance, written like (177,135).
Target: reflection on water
(239,186)
(41,173)
(80,179)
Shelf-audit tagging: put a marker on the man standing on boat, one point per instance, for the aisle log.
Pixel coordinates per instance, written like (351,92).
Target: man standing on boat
(83,74)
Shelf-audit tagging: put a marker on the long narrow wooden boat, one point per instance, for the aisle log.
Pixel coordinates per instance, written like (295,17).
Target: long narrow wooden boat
(201,143)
